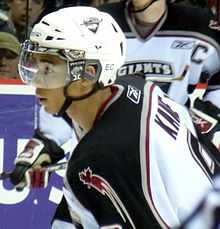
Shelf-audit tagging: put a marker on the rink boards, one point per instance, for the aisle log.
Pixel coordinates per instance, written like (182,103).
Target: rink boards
(18,118)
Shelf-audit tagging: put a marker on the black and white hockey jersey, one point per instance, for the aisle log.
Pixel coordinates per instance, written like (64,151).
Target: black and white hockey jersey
(183,48)
(140,166)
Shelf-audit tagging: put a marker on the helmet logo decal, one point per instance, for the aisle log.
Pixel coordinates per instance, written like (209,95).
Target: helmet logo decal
(76,70)
(92,23)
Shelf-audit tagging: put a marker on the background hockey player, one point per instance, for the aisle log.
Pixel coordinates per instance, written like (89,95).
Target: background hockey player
(173,61)
(189,49)
(175,45)
(116,178)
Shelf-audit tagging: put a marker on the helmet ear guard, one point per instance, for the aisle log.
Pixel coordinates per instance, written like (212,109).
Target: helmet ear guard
(77,65)
(78,70)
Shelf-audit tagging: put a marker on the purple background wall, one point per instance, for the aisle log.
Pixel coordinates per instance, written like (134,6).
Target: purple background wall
(29,209)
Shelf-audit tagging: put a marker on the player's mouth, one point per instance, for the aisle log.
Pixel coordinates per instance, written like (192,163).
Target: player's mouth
(42,100)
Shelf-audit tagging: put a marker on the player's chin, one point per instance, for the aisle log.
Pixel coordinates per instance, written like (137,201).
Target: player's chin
(51,110)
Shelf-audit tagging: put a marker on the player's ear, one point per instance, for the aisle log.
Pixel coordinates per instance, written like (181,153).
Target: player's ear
(90,76)
(85,84)
(91,70)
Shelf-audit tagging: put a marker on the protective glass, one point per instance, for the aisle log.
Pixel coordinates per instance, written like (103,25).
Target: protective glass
(42,67)
(152,21)
(54,68)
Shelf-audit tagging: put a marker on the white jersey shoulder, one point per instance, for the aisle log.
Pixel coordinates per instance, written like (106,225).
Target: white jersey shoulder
(168,159)
(168,56)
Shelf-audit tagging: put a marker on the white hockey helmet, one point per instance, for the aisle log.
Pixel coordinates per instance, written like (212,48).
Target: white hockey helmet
(80,36)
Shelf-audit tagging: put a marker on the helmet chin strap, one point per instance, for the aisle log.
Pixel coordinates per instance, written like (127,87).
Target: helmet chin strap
(69,99)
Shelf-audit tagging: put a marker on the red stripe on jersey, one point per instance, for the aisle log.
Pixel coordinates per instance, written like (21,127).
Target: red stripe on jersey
(114,91)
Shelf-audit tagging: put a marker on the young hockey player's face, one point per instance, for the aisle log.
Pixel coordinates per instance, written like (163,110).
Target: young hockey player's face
(44,70)
(48,74)
(51,99)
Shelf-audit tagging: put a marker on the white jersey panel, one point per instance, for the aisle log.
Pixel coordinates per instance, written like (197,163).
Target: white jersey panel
(167,160)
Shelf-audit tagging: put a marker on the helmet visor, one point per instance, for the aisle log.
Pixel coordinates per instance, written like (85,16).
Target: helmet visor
(42,68)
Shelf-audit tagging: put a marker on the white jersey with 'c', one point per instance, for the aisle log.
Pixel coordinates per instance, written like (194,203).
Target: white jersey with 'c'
(173,56)
(183,47)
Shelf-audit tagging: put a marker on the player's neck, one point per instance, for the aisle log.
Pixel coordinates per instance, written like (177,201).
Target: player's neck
(84,112)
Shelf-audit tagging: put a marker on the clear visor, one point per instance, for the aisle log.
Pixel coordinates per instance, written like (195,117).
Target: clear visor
(42,68)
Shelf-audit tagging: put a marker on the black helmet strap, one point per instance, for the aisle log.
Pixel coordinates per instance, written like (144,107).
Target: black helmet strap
(69,99)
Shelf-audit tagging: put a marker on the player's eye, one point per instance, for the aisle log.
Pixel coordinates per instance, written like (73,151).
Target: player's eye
(46,61)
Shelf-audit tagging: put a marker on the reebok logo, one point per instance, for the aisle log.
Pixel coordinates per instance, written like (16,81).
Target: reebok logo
(182,44)
(133,94)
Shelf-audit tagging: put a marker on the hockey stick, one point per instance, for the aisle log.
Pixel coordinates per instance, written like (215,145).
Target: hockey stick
(50,168)
(200,88)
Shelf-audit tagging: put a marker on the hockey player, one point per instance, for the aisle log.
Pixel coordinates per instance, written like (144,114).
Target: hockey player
(174,45)
(120,175)
(176,64)
(190,49)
